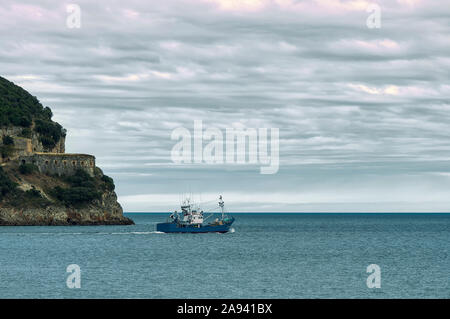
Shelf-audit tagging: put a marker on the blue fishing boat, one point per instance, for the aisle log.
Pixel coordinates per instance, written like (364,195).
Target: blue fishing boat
(192,220)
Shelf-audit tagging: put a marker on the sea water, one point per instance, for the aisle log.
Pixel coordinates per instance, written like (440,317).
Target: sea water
(264,256)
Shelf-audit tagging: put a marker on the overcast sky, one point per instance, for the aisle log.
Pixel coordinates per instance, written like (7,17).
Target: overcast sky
(363,114)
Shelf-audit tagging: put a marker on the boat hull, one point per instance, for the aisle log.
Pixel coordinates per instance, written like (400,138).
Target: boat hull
(176,228)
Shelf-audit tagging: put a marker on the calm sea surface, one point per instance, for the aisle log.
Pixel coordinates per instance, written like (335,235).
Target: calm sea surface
(267,256)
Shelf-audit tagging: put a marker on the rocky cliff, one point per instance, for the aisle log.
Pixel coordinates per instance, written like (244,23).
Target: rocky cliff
(106,211)
(39,183)
(31,198)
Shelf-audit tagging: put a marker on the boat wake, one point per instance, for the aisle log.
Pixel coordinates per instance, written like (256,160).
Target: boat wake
(88,233)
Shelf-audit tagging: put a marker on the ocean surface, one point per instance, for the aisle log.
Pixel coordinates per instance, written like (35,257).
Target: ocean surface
(265,256)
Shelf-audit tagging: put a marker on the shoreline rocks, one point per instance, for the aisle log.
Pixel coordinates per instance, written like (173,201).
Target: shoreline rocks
(105,211)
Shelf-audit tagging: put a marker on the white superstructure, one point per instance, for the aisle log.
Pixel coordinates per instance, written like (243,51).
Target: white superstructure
(189,215)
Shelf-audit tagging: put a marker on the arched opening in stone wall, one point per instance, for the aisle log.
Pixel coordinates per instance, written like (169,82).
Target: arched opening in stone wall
(56,162)
(65,163)
(23,161)
(73,163)
(46,162)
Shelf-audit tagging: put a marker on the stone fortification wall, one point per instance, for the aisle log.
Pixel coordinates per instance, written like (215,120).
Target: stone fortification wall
(60,164)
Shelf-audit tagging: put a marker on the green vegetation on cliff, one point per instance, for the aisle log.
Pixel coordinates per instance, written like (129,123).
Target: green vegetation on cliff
(20,108)
(77,190)
(6,185)
(83,189)
(27,168)
(7,140)
(10,193)
(7,146)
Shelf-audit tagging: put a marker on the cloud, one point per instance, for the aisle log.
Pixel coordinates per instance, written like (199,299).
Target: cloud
(240,5)
(391,89)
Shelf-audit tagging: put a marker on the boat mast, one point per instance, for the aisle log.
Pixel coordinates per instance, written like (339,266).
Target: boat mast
(221,205)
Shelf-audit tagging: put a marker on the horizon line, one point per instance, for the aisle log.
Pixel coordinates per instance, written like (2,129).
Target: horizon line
(300,212)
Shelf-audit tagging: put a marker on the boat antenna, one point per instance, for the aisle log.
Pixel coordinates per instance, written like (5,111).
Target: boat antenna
(221,203)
